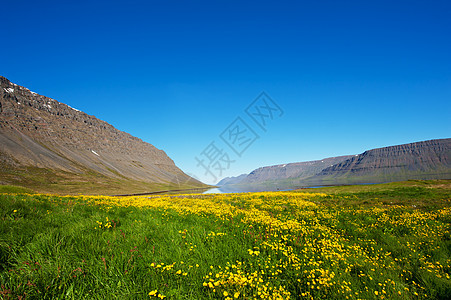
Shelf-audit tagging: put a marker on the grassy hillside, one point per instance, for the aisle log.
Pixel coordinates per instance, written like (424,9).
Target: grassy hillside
(89,183)
(5,189)
(363,242)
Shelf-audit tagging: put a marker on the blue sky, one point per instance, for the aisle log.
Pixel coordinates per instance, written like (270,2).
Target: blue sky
(348,75)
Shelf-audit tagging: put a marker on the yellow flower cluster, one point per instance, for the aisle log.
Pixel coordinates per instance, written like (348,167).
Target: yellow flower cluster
(212,235)
(234,280)
(105,225)
(155,293)
(169,268)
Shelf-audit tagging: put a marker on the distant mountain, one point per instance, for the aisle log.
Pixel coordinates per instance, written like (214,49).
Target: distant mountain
(50,146)
(298,171)
(280,176)
(421,160)
(231,180)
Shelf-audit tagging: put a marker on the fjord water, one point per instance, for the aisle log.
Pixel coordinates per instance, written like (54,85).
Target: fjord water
(242,189)
(250,189)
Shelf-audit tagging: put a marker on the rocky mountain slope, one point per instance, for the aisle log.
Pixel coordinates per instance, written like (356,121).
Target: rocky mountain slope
(421,160)
(48,145)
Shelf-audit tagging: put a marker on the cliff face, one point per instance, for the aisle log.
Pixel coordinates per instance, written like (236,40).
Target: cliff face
(421,160)
(40,132)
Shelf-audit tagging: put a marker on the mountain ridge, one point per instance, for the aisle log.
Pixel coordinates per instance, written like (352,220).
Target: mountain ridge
(231,180)
(429,159)
(291,170)
(41,133)
(283,171)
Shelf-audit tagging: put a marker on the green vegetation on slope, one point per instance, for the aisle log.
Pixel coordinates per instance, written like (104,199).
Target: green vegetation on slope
(12,189)
(89,183)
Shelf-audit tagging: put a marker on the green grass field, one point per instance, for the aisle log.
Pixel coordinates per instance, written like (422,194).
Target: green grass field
(45,181)
(389,241)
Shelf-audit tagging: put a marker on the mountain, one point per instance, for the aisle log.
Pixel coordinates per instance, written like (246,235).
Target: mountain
(421,160)
(231,180)
(298,171)
(282,176)
(51,147)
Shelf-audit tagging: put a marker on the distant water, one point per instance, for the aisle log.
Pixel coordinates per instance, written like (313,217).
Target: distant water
(213,191)
(227,189)
(249,189)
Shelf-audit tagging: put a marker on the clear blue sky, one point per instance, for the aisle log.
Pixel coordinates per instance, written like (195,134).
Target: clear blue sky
(349,75)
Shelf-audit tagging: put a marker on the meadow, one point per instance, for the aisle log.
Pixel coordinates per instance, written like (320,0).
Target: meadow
(389,241)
